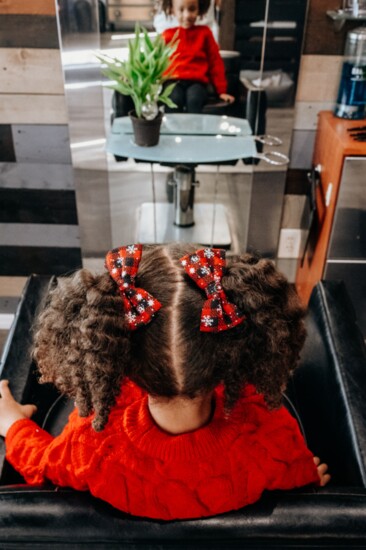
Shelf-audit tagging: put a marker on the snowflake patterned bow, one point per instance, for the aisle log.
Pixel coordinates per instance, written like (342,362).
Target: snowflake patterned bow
(206,268)
(122,264)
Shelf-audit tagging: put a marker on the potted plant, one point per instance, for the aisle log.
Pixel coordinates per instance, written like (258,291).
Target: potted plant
(142,76)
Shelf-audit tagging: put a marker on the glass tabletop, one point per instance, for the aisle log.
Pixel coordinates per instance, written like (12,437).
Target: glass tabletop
(192,124)
(191,139)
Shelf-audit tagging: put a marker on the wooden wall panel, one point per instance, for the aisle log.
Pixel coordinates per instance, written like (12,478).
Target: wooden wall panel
(33,109)
(38,206)
(37,259)
(14,175)
(28,31)
(39,229)
(39,234)
(321,36)
(31,7)
(42,143)
(35,71)
(7,153)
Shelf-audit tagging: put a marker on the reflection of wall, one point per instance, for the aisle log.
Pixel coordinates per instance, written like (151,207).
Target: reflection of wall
(318,78)
(38,213)
(283,36)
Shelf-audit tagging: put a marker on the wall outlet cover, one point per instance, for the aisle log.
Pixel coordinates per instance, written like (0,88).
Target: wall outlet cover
(292,242)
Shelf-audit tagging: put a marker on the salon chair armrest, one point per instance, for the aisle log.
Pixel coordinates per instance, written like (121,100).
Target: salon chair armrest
(16,362)
(328,388)
(43,516)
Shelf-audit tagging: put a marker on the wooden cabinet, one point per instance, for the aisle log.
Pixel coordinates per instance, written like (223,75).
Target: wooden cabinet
(338,248)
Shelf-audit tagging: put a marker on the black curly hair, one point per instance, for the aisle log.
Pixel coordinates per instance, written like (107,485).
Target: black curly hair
(83,346)
(167,6)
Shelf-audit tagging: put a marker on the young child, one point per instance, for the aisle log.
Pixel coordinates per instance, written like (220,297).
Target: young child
(196,62)
(176,360)
(163,21)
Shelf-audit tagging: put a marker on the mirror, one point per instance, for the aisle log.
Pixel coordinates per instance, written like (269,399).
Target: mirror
(109,193)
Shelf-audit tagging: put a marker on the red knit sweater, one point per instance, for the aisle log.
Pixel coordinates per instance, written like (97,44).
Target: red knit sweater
(197,57)
(140,469)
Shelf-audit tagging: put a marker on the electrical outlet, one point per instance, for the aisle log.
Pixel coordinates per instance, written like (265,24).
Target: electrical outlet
(292,242)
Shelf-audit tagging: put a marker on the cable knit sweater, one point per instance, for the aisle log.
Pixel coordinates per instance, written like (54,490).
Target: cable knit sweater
(140,469)
(197,57)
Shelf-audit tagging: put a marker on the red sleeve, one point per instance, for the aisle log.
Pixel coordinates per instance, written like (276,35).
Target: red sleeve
(65,460)
(168,35)
(38,456)
(216,67)
(288,461)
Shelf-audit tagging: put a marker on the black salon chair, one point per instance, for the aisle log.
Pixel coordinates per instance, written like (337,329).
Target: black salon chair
(327,393)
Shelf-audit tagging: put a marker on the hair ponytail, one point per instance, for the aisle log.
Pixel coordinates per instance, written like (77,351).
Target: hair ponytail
(81,344)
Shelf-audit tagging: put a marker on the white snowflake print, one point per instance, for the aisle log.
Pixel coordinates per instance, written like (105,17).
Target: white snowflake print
(124,273)
(114,270)
(184,263)
(192,270)
(194,259)
(125,285)
(150,303)
(207,321)
(205,270)
(131,249)
(208,253)
(140,309)
(131,317)
(139,297)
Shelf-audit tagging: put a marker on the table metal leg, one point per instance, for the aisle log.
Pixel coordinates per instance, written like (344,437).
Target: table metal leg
(165,222)
(184,184)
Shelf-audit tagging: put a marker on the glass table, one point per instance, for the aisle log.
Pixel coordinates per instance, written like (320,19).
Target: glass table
(185,141)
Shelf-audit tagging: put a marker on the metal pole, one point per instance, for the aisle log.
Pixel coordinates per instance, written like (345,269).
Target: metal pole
(183,196)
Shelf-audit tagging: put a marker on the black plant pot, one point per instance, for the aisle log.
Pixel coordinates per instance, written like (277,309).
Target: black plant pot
(147,132)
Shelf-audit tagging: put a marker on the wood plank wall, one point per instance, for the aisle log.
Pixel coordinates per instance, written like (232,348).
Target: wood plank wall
(38,219)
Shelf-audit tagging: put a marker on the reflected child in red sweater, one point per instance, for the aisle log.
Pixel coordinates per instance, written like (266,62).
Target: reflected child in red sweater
(196,60)
(176,359)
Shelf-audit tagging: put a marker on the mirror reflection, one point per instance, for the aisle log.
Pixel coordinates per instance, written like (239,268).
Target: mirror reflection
(88,27)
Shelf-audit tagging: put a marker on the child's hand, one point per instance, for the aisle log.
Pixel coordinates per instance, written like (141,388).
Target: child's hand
(322,471)
(11,410)
(227,97)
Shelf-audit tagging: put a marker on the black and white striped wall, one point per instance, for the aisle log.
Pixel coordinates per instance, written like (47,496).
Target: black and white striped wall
(39,230)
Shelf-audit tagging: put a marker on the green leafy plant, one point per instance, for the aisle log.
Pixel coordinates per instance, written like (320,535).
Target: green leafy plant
(144,72)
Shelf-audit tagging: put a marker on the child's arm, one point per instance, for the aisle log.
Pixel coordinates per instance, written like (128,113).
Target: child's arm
(293,463)
(288,461)
(10,410)
(33,452)
(217,68)
(227,97)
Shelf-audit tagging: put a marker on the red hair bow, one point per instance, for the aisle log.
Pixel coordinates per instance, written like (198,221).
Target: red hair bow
(206,268)
(122,264)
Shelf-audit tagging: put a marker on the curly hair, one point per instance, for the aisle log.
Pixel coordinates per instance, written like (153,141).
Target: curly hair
(83,346)
(167,6)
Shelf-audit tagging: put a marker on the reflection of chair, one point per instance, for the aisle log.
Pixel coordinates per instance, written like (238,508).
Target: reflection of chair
(326,392)
(83,16)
